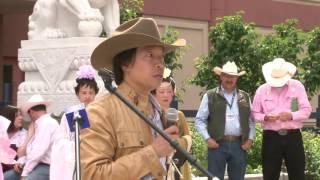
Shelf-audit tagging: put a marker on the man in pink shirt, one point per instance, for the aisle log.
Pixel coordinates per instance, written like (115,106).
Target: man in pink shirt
(37,159)
(281,105)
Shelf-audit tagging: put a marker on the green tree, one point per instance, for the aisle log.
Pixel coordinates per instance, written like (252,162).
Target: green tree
(311,63)
(232,40)
(169,36)
(130,9)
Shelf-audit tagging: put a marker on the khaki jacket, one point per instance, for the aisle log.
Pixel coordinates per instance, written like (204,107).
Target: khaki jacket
(117,144)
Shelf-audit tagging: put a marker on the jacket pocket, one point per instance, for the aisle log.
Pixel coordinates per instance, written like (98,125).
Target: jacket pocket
(130,139)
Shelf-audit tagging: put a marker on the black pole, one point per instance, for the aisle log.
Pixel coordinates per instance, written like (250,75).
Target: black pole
(317,117)
(107,77)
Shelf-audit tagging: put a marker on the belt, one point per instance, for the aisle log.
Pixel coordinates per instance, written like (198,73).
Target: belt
(282,132)
(231,138)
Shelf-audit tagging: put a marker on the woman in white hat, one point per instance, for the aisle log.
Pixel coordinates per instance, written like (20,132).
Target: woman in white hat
(118,144)
(281,105)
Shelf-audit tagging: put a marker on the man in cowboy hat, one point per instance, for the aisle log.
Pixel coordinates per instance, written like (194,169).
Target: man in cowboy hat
(223,120)
(281,105)
(118,144)
(37,159)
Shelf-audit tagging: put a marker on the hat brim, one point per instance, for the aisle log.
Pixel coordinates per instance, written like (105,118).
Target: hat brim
(104,53)
(25,108)
(219,71)
(277,82)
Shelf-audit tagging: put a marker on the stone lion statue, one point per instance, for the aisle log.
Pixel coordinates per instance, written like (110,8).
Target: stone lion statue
(52,19)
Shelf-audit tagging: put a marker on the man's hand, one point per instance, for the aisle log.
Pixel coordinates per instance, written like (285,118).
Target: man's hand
(285,116)
(18,168)
(271,117)
(247,145)
(161,146)
(212,143)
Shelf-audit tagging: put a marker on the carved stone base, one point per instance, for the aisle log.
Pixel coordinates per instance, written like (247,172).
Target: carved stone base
(50,69)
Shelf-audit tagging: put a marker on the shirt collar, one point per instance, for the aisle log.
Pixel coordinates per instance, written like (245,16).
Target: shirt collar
(139,100)
(223,91)
(42,118)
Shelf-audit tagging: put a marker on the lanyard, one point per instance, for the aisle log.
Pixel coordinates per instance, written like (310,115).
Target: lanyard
(230,104)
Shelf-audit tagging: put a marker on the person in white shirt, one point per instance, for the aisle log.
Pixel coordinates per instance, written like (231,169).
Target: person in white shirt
(6,153)
(16,133)
(37,159)
(63,151)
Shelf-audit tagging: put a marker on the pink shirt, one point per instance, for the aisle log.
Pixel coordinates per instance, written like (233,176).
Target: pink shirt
(268,100)
(39,147)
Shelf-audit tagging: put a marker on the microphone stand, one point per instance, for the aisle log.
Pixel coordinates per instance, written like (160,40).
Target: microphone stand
(77,120)
(107,77)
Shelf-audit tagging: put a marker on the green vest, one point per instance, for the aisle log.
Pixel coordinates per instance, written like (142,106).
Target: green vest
(217,113)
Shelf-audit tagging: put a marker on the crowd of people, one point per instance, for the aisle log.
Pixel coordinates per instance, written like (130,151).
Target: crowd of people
(119,145)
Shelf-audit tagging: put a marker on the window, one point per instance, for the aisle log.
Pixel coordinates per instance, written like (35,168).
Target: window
(7,84)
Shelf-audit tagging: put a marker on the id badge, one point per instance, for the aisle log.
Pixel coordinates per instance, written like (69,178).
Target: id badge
(230,117)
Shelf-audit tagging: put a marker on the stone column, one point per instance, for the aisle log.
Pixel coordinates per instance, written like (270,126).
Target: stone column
(50,69)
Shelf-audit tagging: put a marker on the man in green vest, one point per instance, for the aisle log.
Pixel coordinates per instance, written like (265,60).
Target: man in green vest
(223,120)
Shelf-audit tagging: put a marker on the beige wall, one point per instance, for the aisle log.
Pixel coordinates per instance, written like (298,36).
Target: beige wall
(196,34)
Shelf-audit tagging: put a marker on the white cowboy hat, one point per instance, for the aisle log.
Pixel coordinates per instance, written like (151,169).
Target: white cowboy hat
(34,100)
(278,72)
(228,68)
(136,33)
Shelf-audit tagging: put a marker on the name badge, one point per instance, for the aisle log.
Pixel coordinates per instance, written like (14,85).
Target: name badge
(230,117)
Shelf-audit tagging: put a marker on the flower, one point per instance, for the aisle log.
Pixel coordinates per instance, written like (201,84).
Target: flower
(86,72)
(166,73)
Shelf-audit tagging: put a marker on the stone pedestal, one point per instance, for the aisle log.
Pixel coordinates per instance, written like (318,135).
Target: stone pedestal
(50,69)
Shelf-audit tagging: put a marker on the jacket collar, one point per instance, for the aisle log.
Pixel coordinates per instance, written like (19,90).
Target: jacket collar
(220,91)
(140,101)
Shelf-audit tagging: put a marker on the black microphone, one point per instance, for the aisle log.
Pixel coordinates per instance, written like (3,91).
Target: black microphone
(106,73)
(107,77)
(172,117)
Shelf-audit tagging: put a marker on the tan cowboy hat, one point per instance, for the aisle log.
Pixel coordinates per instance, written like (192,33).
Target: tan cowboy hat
(228,68)
(278,72)
(136,33)
(34,100)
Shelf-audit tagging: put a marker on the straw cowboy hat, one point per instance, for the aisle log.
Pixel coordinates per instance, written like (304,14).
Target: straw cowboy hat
(136,33)
(278,72)
(34,100)
(228,68)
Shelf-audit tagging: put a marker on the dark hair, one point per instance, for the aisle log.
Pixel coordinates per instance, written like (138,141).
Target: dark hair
(10,114)
(123,58)
(169,80)
(91,83)
(40,107)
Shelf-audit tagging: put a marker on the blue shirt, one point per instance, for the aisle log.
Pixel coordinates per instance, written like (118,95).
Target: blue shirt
(232,126)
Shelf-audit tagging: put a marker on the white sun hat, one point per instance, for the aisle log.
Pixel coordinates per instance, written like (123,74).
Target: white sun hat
(228,68)
(34,100)
(278,72)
